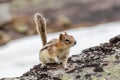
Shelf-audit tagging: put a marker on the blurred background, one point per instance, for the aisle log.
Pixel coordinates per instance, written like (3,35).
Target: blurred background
(16,16)
(90,21)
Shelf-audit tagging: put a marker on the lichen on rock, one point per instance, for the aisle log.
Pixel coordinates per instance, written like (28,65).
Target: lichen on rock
(96,63)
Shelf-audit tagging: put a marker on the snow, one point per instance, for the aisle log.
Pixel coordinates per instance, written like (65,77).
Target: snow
(18,56)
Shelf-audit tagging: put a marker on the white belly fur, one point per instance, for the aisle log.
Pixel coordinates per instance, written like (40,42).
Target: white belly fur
(45,57)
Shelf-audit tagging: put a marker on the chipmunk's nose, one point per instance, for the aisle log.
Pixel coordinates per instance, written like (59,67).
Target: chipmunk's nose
(75,42)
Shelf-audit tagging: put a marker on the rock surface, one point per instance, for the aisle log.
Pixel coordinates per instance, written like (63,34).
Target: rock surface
(96,63)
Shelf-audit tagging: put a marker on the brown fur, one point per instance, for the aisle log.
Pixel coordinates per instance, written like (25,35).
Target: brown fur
(41,27)
(56,50)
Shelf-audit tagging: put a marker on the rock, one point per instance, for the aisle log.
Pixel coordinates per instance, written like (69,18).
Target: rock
(94,63)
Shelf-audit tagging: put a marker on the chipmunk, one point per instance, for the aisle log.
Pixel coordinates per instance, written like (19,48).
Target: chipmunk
(56,50)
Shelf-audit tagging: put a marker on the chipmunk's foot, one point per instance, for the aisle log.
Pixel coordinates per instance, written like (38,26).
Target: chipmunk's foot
(57,60)
(43,65)
(64,65)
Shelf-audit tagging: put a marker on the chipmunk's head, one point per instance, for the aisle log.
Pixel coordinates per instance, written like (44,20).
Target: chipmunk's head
(67,40)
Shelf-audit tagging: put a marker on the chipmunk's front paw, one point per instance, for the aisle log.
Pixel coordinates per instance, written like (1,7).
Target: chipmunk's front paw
(65,65)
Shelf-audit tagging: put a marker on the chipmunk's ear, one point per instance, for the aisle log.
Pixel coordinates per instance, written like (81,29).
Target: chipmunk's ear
(65,33)
(61,36)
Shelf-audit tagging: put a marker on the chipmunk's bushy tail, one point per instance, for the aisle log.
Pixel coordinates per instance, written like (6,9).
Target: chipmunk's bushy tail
(41,27)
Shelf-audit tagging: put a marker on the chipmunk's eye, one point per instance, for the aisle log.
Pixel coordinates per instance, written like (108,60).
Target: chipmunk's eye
(67,40)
